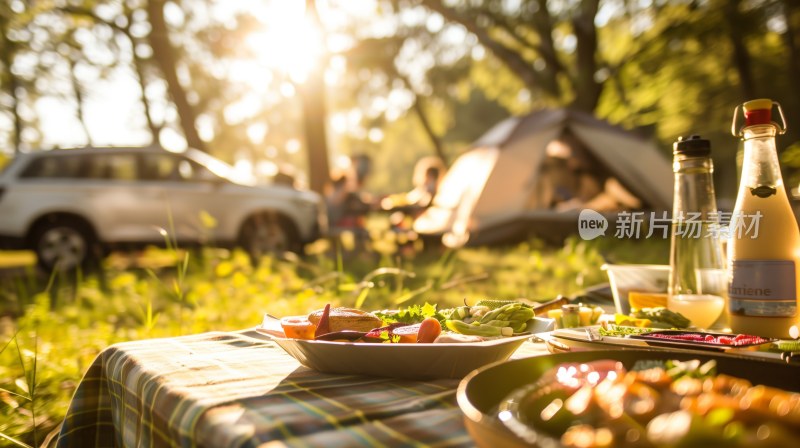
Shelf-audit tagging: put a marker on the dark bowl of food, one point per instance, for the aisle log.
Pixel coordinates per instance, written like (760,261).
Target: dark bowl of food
(633,398)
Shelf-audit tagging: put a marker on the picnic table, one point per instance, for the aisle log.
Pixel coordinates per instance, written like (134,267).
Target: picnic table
(240,389)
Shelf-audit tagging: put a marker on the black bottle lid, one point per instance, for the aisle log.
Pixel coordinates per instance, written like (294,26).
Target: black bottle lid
(693,146)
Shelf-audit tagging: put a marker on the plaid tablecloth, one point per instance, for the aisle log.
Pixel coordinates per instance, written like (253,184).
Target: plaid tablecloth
(233,390)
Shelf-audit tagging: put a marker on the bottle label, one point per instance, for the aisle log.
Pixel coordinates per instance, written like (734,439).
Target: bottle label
(763,288)
(763,191)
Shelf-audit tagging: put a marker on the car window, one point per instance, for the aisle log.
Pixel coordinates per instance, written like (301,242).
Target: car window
(159,167)
(54,167)
(82,166)
(114,167)
(168,167)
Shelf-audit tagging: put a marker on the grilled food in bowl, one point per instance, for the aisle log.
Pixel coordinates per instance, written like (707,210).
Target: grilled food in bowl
(485,393)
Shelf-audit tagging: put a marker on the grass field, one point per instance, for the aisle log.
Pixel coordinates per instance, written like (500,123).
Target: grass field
(52,328)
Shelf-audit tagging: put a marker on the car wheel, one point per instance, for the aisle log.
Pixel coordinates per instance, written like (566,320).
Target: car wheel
(62,245)
(267,234)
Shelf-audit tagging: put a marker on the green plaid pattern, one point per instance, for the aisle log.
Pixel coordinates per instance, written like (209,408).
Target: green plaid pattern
(231,390)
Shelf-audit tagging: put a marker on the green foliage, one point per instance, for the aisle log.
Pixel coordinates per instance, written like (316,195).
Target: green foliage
(790,159)
(667,68)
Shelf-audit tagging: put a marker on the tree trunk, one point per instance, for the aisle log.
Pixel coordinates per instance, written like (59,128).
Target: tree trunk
(435,140)
(11,84)
(166,58)
(543,23)
(18,124)
(312,95)
(141,78)
(791,13)
(76,87)
(423,119)
(741,57)
(587,88)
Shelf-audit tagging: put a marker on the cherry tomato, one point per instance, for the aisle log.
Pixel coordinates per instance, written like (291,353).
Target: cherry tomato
(429,330)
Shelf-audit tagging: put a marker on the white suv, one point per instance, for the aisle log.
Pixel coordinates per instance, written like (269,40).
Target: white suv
(71,205)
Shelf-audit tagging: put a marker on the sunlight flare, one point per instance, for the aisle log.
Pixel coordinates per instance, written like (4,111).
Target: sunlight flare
(290,42)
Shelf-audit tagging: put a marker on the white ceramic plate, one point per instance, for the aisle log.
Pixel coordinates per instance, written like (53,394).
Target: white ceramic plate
(410,361)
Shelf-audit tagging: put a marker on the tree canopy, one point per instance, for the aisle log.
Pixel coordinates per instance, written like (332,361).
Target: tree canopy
(278,83)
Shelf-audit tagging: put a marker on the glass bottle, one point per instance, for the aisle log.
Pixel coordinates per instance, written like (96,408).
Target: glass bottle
(764,242)
(697,281)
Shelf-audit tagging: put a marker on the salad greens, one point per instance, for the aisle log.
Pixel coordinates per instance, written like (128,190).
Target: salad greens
(414,314)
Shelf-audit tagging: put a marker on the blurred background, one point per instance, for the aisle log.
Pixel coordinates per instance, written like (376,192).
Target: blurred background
(298,85)
(307,88)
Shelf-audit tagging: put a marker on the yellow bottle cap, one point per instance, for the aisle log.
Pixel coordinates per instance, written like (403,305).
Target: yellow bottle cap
(759,104)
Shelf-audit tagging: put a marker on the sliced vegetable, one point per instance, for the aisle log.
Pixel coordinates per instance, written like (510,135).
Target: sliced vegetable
(576,315)
(407,334)
(640,300)
(429,330)
(628,321)
(661,314)
(375,334)
(619,330)
(324,326)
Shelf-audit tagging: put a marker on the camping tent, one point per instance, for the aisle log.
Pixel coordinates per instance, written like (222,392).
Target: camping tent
(505,183)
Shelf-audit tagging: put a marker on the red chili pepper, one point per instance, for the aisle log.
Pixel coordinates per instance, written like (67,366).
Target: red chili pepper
(324,326)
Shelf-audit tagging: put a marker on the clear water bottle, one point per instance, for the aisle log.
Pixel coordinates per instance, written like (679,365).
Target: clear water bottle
(698,280)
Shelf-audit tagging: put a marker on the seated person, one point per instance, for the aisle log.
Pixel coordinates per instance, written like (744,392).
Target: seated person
(571,178)
(613,197)
(428,173)
(346,207)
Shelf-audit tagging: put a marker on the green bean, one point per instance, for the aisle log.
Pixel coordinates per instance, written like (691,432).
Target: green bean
(497,323)
(476,330)
(523,314)
(519,328)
